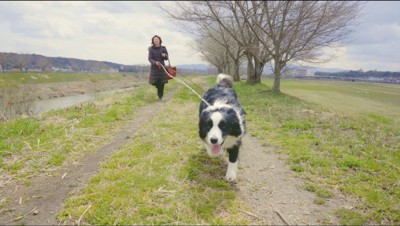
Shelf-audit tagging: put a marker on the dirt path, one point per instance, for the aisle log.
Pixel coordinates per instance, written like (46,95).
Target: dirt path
(39,203)
(273,191)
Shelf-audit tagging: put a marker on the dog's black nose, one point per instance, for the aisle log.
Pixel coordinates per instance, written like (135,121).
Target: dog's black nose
(213,140)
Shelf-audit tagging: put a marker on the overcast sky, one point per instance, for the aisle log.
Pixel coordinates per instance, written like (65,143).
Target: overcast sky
(121,32)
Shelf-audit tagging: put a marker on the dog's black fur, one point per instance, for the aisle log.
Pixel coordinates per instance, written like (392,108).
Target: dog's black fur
(222,124)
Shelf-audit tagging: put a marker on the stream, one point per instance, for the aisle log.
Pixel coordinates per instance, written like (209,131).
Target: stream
(67,101)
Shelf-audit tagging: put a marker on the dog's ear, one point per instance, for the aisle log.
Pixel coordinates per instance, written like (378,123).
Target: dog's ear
(230,111)
(233,123)
(205,115)
(204,124)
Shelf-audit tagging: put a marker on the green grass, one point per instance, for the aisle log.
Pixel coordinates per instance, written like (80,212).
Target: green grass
(163,176)
(333,148)
(339,137)
(374,101)
(9,79)
(30,145)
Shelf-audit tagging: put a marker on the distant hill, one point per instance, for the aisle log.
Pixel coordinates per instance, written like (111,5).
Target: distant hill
(202,67)
(10,61)
(37,63)
(330,70)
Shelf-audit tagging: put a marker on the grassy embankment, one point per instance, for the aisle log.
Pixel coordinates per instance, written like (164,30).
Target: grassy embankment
(341,137)
(11,79)
(163,175)
(357,156)
(34,144)
(18,96)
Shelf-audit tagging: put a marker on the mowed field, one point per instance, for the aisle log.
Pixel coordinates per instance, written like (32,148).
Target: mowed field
(339,136)
(376,101)
(341,139)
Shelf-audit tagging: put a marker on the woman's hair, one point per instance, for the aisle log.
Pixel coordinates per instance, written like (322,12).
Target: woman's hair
(155,36)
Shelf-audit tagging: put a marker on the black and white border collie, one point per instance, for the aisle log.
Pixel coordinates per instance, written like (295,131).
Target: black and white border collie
(222,124)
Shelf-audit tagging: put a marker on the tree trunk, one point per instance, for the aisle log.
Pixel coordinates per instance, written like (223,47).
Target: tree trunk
(250,70)
(277,78)
(227,69)
(258,69)
(254,71)
(236,67)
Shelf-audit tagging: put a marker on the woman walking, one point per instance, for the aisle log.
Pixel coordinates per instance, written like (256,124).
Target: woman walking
(157,55)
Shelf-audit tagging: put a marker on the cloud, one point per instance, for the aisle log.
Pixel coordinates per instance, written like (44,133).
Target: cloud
(380,12)
(113,31)
(114,7)
(37,20)
(120,32)
(377,38)
(375,43)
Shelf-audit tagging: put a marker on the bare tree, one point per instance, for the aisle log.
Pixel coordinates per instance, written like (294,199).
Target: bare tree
(22,61)
(3,61)
(220,50)
(211,52)
(223,21)
(234,51)
(230,18)
(43,63)
(207,41)
(297,31)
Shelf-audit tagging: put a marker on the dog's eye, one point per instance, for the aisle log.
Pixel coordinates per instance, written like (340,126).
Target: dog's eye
(209,124)
(222,125)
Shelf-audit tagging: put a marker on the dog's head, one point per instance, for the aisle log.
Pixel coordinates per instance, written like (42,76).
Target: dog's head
(216,125)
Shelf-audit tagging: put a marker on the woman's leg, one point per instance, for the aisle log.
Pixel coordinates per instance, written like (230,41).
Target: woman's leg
(160,90)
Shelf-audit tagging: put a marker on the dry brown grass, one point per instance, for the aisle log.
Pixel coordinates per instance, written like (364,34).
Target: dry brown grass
(16,101)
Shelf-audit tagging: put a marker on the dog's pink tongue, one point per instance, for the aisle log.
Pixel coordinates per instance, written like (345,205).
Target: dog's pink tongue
(216,148)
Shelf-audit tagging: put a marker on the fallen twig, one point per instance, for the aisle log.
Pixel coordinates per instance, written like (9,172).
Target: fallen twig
(251,214)
(80,218)
(28,145)
(7,210)
(22,217)
(280,214)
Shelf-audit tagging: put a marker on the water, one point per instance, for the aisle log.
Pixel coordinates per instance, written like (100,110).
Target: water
(68,101)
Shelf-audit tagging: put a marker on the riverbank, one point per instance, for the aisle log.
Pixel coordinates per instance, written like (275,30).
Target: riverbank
(29,94)
(62,89)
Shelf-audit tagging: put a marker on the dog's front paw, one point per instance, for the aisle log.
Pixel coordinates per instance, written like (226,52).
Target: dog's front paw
(231,172)
(230,178)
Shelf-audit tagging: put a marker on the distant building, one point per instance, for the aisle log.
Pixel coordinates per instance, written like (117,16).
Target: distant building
(109,70)
(297,72)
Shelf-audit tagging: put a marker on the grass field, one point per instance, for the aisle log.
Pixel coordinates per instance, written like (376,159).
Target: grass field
(339,137)
(12,79)
(177,183)
(376,101)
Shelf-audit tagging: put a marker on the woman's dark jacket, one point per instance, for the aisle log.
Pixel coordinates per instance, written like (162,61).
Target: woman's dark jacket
(155,72)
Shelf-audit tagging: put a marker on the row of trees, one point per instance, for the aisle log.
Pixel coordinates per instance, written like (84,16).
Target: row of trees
(25,62)
(35,62)
(229,33)
(361,74)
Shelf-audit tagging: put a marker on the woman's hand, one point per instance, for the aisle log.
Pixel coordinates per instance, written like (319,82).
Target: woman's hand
(158,64)
(163,54)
